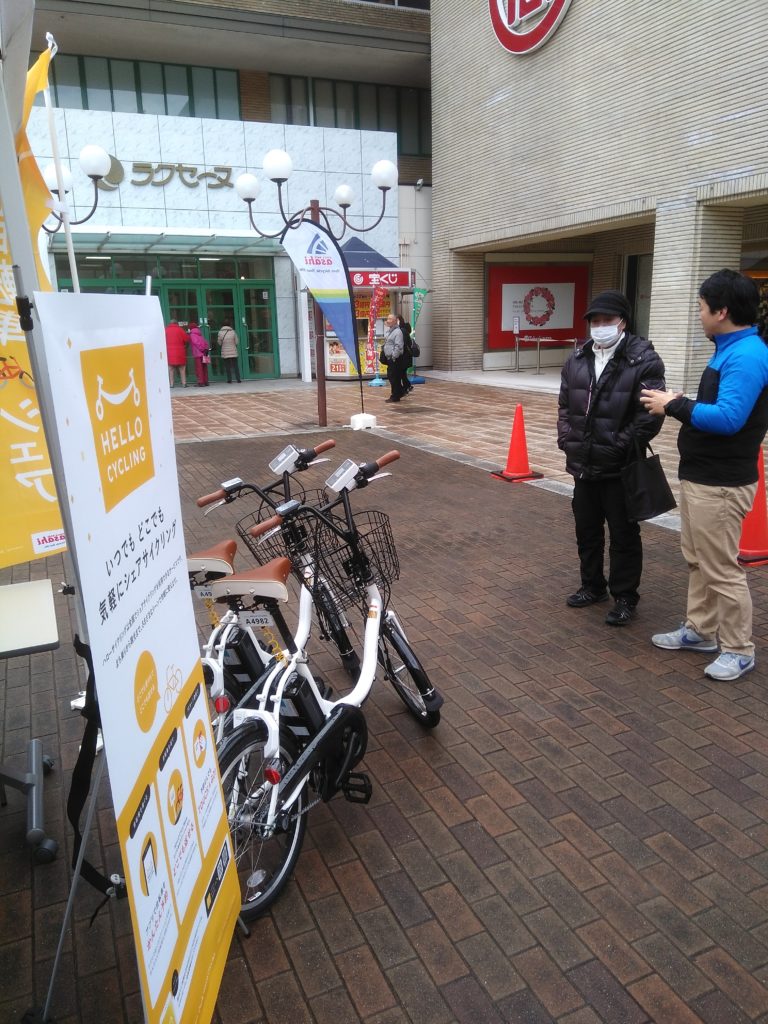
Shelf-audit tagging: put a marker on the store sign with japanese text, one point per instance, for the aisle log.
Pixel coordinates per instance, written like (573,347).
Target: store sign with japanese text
(522,26)
(115,435)
(395,278)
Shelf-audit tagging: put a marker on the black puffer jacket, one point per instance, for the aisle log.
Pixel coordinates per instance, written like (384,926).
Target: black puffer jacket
(597,420)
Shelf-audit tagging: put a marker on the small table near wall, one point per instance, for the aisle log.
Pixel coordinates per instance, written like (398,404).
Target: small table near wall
(538,342)
(28,626)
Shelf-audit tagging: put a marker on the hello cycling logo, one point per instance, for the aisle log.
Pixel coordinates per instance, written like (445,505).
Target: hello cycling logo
(116,393)
(522,26)
(317,254)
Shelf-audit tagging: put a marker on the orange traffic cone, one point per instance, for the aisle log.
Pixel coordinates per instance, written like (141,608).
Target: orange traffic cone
(753,546)
(517,467)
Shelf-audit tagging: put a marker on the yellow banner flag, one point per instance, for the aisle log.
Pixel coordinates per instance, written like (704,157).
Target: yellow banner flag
(30,520)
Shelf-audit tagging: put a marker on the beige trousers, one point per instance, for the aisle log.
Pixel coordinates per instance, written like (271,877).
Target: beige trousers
(719,602)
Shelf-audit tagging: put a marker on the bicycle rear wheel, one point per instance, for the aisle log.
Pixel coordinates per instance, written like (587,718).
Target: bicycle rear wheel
(407,675)
(265,858)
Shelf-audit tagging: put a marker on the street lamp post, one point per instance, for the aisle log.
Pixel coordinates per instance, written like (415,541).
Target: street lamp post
(278,166)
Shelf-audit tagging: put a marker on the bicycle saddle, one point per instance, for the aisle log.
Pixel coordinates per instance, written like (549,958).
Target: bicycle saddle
(268,581)
(213,562)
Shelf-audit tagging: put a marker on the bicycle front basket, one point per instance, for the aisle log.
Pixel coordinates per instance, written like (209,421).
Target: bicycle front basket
(343,574)
(279,543)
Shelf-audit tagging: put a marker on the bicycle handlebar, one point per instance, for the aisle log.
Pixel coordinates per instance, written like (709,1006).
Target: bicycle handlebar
(208,499)
(324,446)
(385,460)
(366,470)
(265,526)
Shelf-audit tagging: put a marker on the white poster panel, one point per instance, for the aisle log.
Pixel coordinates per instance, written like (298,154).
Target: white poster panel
(538,307)
(107,362)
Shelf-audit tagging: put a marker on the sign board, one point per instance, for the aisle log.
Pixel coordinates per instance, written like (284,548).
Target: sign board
(522,26)
(30,519)
(536,303)
(320,264)
(395,278)
(113,428)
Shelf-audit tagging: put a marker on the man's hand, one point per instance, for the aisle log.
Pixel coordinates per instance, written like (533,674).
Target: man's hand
(656,402)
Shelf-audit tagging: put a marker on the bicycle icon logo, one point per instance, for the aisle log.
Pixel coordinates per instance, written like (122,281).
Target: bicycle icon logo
(10,369)
(116,399)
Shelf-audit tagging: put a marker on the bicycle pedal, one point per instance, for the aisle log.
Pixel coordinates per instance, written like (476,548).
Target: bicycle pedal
(357,788)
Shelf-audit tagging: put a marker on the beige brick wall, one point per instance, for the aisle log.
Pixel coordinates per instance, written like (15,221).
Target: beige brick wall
(625,110)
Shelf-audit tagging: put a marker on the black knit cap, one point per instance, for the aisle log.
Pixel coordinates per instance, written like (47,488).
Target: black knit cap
(611,303)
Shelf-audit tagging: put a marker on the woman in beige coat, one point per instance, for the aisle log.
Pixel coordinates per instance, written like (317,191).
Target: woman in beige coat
(228,341)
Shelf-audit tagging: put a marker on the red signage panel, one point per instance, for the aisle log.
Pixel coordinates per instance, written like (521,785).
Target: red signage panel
(395,278)
(537,302)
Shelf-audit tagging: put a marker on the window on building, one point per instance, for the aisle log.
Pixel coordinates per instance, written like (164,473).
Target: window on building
(363,105)
(101,83)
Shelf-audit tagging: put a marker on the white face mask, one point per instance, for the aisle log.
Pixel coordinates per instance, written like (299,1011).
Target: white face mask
(604,337)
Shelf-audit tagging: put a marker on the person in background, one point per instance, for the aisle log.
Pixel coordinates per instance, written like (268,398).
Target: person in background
(228,342)
(176,341)
(393,350)
(405,327)
(599,419)
(719,444)
(200,349)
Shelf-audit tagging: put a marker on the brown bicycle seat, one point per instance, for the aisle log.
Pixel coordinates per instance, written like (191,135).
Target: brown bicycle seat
(268,581)
(213,562)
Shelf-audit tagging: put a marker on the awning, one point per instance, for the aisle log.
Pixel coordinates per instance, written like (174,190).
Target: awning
(362,256)
(94,238)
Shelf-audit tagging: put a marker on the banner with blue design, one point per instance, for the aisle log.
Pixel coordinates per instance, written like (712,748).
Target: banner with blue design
(323,270)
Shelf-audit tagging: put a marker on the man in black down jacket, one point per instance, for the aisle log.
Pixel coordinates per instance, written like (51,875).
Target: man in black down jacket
(599,417)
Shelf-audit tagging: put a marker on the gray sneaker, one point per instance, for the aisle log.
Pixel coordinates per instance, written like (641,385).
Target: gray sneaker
(730,666)
(683,639)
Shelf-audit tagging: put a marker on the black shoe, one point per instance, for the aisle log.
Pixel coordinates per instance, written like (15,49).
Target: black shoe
(584,597)
(391,399)
(621,614)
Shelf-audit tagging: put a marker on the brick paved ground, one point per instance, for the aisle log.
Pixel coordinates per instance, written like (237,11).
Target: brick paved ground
(583,838)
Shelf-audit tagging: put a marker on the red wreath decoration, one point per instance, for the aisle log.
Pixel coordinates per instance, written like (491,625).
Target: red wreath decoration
(539,293)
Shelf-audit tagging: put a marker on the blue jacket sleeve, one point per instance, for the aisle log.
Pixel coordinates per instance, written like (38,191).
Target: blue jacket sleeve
(742,378)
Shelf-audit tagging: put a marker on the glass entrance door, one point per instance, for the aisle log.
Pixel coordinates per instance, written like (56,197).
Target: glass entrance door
(249,308)
(220,305)
(258,323)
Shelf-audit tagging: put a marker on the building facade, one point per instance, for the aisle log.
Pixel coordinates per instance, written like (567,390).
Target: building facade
(628,148)
(186,98)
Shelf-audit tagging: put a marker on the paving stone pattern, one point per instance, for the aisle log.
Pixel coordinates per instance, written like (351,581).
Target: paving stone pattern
(583,838)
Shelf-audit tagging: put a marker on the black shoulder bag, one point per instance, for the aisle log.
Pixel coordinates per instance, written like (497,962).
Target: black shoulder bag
(646,489)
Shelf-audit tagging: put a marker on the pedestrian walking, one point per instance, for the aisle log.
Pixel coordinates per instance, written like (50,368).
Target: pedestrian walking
(200,349)
(176,341)
(392,350)
(407,361)
(719,442)
(599,419)
(228,342)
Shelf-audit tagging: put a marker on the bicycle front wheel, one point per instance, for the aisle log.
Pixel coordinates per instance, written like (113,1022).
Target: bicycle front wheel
(265,855)
(407,675)
(336,627)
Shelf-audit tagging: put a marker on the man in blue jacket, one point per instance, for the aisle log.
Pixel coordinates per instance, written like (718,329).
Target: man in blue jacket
(719,442)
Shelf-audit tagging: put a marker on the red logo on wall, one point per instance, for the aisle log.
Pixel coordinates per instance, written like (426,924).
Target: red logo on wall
(522,26)
(539,305)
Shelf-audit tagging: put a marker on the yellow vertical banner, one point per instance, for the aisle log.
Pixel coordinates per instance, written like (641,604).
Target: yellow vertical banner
(30,521)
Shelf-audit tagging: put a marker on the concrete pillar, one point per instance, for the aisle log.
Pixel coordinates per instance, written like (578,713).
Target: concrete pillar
(458,318)
(692,241)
